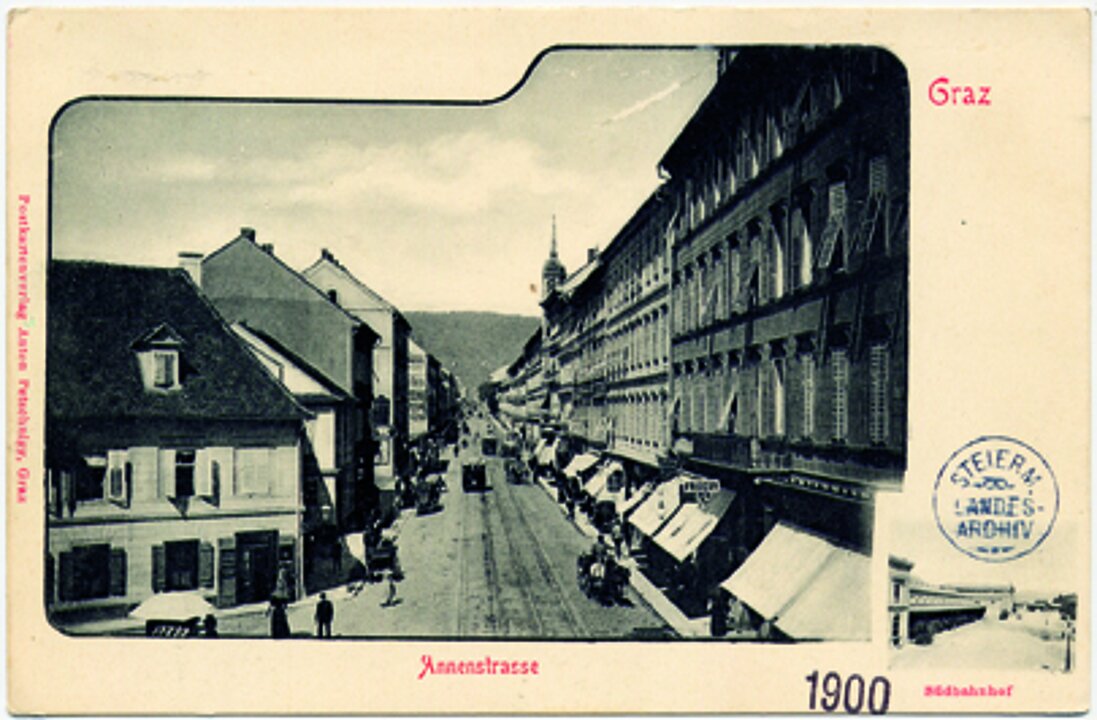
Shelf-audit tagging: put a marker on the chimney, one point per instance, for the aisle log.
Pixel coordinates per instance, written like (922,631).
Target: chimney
(592,254)
(268,248)
(192,263)
(247,232)
(325,254)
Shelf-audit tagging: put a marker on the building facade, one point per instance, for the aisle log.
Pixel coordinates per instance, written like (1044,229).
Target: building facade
(173,457)
(390,412)
(789,287)
(248,284)
(747,326)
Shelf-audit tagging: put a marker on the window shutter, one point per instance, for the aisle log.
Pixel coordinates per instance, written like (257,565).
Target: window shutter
(841,394)
(809,396)
(166,473)
(159,569)
(205,565)
(778,265)
(878,175)
(116,476)
(878,401)
(203,477)
(226,572)
(779,397)
(67,589)
(117,572)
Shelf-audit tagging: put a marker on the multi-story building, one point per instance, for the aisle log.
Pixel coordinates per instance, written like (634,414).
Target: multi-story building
(390,414)
(173,458)
(419,389)
(248,284)
(789,287)
(746,330)
(332,413)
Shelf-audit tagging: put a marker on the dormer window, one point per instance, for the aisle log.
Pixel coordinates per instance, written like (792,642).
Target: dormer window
(158,356)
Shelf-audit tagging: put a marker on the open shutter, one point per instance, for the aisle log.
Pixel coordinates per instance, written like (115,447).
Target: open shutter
(226,572)
(203,479)
(117,572)
(116,476)
(205,565)
(159,569)
(67,587)
(166,473)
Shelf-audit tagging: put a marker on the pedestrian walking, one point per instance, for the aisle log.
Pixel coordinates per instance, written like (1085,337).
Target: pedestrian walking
(618,538)
(325,613)
(391,599)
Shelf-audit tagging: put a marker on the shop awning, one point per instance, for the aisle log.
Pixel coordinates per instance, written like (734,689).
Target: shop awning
(547,454)
(808,587)
(693,522)
(624,507)
(580,464)
(597,484)
(658,508)
(844,582)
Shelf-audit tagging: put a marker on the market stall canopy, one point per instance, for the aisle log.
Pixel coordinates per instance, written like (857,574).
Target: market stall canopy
(810,588)
(580,464)
(693,522)
(173,606)
(658,507)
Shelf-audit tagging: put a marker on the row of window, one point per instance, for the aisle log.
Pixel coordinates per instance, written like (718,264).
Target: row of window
(777,253)
(755,399)
(180,473)
(248,563)
(744,151)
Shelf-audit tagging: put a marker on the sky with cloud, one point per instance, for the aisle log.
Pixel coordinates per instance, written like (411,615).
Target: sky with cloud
(434,206)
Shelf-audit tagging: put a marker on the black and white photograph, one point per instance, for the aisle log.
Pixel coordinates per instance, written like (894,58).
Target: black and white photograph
(964,624)
(620,355)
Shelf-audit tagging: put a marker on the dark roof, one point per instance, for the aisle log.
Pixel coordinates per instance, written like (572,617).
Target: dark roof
(246,241)
(96,312)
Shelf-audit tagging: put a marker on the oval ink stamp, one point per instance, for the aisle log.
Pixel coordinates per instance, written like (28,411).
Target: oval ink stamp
(996,499)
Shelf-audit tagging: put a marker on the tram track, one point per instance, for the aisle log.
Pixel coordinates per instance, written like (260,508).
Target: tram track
(573,624)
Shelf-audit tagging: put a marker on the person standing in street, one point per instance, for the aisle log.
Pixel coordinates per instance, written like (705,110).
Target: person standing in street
(325,613)
(279,620)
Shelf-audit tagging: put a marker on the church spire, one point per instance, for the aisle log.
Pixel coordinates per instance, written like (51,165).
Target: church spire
(552,252)
(553,272)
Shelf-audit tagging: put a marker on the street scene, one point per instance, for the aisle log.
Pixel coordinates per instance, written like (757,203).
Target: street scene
(498,562)
(250,433)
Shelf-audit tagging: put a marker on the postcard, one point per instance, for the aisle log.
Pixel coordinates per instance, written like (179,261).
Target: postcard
(376,361)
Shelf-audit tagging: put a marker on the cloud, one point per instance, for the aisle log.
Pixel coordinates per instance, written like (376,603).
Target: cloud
(643,104)
(454,174)
(183,168)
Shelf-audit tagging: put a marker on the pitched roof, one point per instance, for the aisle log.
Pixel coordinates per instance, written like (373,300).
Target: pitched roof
(326,258)
(96,313)
(244,241)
